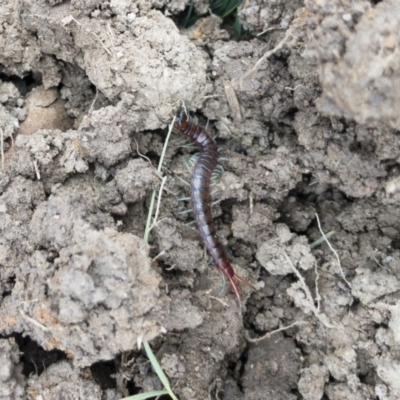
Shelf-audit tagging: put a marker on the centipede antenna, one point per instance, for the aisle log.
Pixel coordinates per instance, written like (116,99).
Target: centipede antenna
(182,112)
(163,120)
(206,127)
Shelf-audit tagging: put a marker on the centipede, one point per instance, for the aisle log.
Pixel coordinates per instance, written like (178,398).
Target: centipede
(201,198)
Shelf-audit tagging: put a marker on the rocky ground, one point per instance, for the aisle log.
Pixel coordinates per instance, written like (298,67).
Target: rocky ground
(306,107)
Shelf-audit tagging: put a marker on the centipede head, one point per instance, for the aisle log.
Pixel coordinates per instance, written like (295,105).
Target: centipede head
(181,116)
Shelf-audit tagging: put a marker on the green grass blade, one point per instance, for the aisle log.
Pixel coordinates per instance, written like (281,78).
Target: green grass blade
(157,367)
(189,15)
(149,215)
(230,8)
(322,239)
(237,26)
(223,8)
(148,395)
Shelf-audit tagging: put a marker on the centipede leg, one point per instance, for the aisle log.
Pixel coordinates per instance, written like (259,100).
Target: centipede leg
(214,203)
(183,181)
(238,278)
(184,212)
(223,288)
(188,224)
(236,291)
(191,161)
(183,199)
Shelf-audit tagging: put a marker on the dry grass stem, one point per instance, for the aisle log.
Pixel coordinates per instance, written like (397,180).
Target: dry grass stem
(32,321)
(2,148)
(164,179)
(232,101)
(238,84)
(35,164)
(334,252)
(226,305)
(310,301)
(269,334)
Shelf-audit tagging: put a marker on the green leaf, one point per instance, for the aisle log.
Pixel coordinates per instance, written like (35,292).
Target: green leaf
(223,8)
(189,16)
(237,26)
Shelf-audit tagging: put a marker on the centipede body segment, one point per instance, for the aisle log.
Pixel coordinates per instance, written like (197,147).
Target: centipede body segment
(201,198)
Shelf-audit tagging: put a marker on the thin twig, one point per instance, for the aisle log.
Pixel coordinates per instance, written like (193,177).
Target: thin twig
(271,28)
(158,203)
(110,34)
(70,18)
(269,334)
(158,256)
(35,164)
(317,295)
(32,321)
(233,101)
(94,101)
(153,196)
(321,317)
(147,159)
(221,301)
(238,83)
(334,252)
(2,148)
(322,239)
